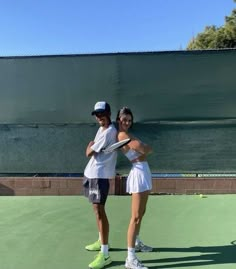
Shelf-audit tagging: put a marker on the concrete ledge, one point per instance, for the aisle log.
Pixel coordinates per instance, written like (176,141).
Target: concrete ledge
(73,185)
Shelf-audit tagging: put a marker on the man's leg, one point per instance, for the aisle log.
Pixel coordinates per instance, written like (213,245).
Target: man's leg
(103,228)
(102,222)
(103,258)
(99,189)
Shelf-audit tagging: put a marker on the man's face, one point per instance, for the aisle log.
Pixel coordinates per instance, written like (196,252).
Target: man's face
(103,119)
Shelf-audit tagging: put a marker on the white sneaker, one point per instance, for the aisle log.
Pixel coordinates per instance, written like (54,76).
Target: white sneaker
(134,264)
(143,248)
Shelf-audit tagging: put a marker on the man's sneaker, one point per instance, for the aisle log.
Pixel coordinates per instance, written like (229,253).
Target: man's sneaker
(143,248)
(100,261)
(134,264)
(96,246)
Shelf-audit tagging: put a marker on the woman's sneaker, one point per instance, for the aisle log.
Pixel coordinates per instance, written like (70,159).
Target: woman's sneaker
(143,248)
(134,264)
(100,261)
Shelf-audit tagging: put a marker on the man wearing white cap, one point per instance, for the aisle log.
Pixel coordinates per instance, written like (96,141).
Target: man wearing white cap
(100,168)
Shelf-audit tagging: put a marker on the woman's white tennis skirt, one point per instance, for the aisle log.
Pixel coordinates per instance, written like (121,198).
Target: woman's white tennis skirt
(139,178)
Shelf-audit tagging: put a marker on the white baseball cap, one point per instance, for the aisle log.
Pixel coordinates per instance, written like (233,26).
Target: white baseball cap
(100,107)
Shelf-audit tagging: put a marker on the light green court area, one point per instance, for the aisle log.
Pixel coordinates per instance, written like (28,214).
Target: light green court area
(51,232)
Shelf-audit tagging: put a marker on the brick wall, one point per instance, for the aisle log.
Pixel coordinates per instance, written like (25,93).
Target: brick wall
(192,185)
(44,186)
(73,185)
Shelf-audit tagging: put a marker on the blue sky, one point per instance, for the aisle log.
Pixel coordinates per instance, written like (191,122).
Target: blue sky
(44,27)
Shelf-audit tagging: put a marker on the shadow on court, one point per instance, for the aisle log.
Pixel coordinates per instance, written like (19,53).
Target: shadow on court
(118,249)
(209,255)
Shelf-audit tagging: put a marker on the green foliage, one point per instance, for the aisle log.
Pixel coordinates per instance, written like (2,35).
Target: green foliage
(216,37)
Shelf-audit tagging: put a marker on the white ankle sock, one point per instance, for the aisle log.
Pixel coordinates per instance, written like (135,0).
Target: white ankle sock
(104,249)
(131,254)
(137,240)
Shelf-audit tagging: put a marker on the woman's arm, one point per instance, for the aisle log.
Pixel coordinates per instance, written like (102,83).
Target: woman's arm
(122,136)
(135,143)
(139,146)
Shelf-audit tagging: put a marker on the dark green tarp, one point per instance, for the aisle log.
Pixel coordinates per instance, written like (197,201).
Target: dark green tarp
(184,105)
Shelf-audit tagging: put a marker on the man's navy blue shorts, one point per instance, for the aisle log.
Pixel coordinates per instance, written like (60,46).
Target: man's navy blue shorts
(96,189)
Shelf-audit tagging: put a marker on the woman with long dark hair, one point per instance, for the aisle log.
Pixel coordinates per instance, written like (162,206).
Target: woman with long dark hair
(139,184)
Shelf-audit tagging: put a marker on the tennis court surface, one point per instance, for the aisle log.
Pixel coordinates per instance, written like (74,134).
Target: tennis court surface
(186,231)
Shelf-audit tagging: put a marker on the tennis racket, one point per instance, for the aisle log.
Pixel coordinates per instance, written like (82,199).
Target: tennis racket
(116,145)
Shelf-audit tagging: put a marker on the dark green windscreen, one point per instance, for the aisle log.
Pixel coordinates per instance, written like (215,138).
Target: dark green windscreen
(179,148)
(184,105)
(63,89)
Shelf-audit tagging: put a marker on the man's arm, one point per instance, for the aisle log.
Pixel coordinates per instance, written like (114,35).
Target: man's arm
(89,150)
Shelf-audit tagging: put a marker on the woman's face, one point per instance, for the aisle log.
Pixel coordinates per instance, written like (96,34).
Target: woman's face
(125,122)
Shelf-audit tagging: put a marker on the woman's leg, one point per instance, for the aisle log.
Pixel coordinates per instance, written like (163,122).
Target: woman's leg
(138,207)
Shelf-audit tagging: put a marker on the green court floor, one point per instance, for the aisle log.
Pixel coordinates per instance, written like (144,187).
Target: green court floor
(186,231)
